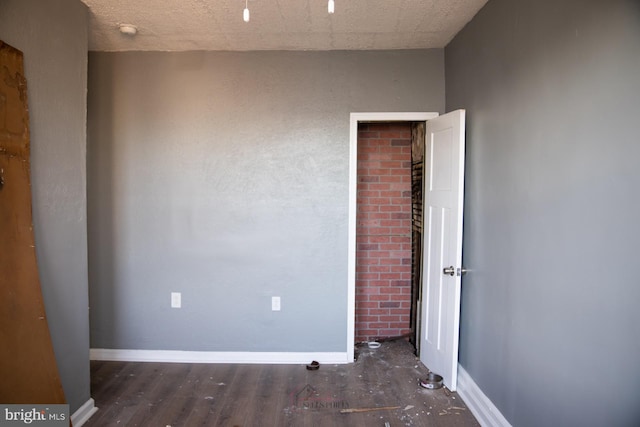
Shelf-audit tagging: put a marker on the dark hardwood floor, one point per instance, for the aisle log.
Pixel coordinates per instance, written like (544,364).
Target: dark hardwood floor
(177,394)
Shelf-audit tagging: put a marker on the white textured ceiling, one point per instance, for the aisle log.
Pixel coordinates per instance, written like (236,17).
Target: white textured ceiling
(277,24)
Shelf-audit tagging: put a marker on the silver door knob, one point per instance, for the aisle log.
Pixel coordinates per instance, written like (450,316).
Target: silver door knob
(451,271)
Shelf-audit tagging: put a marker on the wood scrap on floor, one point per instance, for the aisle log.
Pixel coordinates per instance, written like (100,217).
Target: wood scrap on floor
(380,408)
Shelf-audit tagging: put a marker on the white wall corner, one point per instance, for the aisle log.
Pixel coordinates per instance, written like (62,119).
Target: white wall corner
(83,413)
(480,405)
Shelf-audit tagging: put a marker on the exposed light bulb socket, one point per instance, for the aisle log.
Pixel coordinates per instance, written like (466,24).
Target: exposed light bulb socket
(245,14)
(331,6)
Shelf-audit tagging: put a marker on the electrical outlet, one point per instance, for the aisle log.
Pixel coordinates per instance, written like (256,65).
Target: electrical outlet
(176,300)
(275,303)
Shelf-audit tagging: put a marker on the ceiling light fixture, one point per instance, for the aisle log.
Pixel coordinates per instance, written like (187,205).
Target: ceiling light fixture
(331,7)
(245,14)
(128,29)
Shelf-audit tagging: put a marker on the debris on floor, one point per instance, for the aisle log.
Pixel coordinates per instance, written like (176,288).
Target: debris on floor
(379,389)
(313,366)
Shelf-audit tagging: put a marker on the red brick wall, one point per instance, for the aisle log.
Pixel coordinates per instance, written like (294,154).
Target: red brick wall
(383,254)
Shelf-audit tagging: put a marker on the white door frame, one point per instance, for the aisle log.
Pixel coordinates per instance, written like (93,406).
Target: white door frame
(356,118)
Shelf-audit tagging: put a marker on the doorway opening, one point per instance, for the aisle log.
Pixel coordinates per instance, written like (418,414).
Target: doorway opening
(389,152)
(383,233)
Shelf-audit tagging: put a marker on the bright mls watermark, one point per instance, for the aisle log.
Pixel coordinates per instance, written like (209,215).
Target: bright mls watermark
(35,415)
(308,397)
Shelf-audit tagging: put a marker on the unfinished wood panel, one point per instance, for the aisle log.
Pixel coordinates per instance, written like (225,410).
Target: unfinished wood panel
(417,141)
(175,394)
(417,172)
(27,361)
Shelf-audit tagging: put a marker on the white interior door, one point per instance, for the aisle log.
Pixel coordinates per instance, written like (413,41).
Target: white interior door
(442,246)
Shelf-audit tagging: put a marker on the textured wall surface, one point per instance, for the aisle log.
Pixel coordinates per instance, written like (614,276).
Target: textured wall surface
(53,37)
(224,176)
(383,233)
(550,313)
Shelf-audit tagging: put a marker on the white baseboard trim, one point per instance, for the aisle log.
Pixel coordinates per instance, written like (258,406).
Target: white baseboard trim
(482,408)
(178,356)
(83,413)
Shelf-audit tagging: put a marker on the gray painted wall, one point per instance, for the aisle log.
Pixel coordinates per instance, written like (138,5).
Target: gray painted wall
(550,316)
(224,176)
(53,37)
